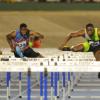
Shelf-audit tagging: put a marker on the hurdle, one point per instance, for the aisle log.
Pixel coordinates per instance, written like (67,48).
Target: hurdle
(4,56)
(62,60)
(12,59)
(62,68)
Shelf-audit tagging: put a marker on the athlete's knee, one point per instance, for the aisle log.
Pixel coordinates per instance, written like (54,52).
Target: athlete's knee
(18,51)
(77,48)
(74,48)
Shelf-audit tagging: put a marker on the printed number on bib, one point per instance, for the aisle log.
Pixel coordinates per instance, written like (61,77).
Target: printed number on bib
(22,44)
(94,43)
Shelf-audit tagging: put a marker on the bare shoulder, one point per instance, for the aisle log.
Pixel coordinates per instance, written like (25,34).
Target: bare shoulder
(12,34)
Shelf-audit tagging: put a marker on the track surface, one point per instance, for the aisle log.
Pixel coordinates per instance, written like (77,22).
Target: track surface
(54,25)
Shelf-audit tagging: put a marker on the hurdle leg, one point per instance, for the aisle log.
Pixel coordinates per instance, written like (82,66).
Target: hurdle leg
(20,85)
(8,84)
(1,78)
(79,76)
(69,83)
(45,85)
(58,86)
(55,85)
(7,81)
(72,81)
(29,84)
(64,82)
(41,85)
(51,85)
(76,78)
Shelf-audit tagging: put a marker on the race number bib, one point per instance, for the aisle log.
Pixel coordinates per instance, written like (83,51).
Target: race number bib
(94,43)
(22,44)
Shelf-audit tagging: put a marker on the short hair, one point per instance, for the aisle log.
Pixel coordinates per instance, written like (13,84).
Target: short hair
(89,25)
(23,25)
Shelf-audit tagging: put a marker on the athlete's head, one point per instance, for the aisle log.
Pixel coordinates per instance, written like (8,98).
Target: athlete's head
(90,28)
(23,28)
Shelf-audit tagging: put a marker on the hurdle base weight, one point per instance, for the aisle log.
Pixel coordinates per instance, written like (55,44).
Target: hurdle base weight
(78,81)
(1,80)
(75,85)
(69,97)
(72,90)
(9,97)
(20,96)
(58,97)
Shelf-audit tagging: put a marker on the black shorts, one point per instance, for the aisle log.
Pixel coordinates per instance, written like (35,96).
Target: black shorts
(29,53)
(94,49)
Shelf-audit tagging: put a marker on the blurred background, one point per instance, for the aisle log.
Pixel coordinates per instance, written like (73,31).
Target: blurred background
(68,1)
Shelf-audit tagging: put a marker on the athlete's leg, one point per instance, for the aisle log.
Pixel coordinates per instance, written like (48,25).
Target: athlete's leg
(19,52)
(83,47)
(31,53)
(79,47)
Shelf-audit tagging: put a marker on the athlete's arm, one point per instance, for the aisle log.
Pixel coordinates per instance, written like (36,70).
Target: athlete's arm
(10,37)
(70,36)
(37,34)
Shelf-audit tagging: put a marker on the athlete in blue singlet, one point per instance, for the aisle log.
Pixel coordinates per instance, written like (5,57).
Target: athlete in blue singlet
(19,42)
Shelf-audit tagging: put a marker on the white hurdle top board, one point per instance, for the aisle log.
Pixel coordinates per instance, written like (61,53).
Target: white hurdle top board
(55,61)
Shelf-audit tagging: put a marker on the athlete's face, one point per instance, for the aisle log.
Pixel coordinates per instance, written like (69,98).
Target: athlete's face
(90,30)
(24,30)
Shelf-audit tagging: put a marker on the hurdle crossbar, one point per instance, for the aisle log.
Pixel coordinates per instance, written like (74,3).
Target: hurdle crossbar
(55,67)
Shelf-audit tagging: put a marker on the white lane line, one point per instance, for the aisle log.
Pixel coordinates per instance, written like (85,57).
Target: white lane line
(89,90)
(89,85)
(85,97)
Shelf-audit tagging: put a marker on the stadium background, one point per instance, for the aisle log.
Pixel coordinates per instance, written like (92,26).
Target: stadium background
(51,18)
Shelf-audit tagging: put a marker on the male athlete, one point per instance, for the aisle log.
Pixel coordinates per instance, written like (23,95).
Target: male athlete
(92,36)
(19,42)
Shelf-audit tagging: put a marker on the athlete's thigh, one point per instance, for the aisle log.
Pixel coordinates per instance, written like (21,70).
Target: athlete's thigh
(16,55)
(30,53)
(86,46)
(79,47)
